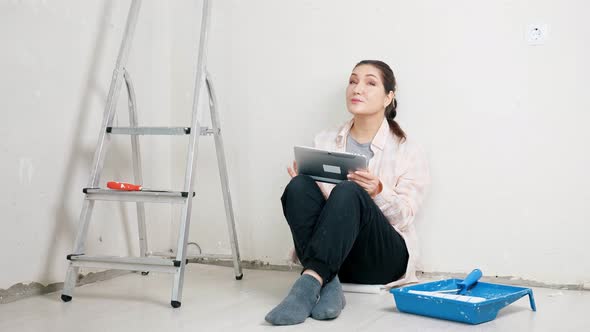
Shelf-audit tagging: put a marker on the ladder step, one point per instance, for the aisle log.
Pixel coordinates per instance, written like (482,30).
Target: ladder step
(211,256)
(157,131)
(99,194)
(149,130)
(156,264)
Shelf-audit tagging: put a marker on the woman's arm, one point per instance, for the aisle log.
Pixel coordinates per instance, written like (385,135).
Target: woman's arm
(400,202)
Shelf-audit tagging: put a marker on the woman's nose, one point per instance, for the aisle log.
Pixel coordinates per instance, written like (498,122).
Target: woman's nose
(358,89)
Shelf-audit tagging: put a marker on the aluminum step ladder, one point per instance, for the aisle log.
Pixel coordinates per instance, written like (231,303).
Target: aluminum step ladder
(93,192)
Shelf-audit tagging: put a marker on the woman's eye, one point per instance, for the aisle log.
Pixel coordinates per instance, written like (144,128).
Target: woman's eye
(351,82)
(372,83)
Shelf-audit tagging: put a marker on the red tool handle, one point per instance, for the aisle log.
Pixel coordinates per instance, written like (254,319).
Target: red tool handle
(123,186)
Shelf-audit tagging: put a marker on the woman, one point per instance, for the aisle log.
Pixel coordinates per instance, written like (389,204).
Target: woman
(361,230)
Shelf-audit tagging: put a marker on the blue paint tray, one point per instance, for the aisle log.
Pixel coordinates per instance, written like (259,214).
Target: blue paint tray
(478,302)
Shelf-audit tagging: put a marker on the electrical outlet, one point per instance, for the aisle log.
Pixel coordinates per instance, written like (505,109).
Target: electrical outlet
(536,34)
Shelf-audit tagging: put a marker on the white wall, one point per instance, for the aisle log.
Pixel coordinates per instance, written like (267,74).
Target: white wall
(502,122)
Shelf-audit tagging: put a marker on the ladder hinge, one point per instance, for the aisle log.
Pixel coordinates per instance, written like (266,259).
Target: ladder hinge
(109,129)
(206,131)
(177,262)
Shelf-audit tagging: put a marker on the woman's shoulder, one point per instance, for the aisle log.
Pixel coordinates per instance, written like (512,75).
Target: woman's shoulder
(409,146)
(409,143)
(328,136)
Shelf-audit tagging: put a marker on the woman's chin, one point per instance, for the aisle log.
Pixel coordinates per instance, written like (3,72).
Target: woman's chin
(361,112)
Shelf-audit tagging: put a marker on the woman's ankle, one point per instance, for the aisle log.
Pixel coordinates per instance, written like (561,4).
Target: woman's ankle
(315,275)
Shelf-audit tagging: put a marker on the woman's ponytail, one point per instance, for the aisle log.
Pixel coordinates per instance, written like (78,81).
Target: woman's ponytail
(390,113)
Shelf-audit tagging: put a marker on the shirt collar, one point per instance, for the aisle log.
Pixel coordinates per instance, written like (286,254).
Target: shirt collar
(382,135)
(378,141)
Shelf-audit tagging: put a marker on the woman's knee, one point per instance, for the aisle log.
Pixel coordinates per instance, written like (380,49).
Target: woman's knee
(348,188)
(348,191)
(300,183)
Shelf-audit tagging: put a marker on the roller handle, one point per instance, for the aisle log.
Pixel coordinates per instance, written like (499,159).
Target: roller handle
(469,281)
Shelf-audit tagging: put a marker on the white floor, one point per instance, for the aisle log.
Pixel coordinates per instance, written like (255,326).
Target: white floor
(214,301)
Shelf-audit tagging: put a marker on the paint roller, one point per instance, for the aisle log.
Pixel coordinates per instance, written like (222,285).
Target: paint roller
(457,293)
(467,283)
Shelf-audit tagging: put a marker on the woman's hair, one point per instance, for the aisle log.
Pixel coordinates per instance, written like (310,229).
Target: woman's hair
(389,84)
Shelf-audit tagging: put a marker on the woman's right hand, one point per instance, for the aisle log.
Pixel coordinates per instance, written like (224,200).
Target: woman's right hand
(292,171)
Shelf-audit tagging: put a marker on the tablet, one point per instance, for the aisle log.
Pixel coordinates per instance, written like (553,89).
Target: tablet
(327,166)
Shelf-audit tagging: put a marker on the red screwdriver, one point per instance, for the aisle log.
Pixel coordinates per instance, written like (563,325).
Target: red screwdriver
(123,186)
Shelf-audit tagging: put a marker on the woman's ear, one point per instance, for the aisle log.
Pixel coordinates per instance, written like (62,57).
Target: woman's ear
(389,98)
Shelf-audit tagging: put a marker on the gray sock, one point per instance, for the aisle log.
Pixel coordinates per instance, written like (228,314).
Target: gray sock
(331,301)
(297,306)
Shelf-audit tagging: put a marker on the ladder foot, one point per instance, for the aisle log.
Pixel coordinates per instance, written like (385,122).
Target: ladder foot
(175,304)
(66,298)
(145,273)
(240,276)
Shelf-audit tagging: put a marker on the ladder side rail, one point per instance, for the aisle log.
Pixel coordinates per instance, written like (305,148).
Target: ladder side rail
(114,91)
(137,169)
(191,158)
(223,175)
(201,59)
(98,160)
(108,117)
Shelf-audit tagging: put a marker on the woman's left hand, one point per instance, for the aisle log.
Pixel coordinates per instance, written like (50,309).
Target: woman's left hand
(367,181)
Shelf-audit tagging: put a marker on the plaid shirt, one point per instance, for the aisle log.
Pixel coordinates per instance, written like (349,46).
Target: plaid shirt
(405,177)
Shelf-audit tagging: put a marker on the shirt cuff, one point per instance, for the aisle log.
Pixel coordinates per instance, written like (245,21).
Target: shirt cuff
(386,199)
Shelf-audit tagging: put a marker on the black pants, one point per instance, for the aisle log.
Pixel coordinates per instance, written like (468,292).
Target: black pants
(346,235)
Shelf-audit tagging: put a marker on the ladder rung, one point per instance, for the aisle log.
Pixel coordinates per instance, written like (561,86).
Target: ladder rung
(126,263)
(99,194)
(149,130)
(204,131)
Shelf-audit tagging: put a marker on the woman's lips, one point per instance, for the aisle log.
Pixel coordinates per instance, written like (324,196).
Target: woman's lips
(355,100)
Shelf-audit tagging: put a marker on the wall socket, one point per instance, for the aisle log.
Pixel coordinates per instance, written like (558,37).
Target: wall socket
(536,34)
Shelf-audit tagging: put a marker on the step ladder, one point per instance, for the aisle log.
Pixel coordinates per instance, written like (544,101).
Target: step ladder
(93,192)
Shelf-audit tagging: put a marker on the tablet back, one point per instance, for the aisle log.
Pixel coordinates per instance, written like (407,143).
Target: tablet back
(327,166)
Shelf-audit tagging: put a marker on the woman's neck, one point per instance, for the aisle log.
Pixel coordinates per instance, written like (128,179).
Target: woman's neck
(364,128)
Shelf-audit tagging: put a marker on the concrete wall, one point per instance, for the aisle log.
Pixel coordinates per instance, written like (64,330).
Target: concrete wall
(503,123)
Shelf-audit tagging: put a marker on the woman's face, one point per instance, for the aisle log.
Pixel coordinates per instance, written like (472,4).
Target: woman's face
(365,94)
